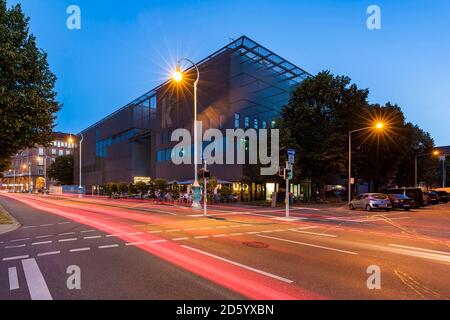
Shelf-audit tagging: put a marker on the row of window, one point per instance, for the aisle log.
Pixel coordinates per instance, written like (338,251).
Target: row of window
(102,145)
(64,144)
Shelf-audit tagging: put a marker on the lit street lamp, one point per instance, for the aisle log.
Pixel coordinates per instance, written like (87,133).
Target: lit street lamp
(178,77)
(378,126)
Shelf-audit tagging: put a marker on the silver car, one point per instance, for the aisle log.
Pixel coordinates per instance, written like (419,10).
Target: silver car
(371,201)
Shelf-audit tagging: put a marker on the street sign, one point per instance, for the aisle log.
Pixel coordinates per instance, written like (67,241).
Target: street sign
(291,156)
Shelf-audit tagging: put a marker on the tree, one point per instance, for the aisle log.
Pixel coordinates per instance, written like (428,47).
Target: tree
(160,185)
(62,170)
(122,187)
(27,96)
(321,112)
(141,186)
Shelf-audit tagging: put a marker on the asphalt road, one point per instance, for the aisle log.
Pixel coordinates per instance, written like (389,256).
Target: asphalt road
(140,250)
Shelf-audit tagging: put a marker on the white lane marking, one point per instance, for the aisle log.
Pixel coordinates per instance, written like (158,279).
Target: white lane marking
(314,233)
(66,234)
(157,241)
(134,243)
(108,246)
(92,237)
(253,232)
(36,284)
(309,245)
(15,258)
(86,231)
(113,235)
(201,237)
(190,229)
(179,239)
(18,240)
(174,230)
(13,279)
(219,235)
(25,227)
(16,246)
(46,236)
(267,231)
(239,264)
(50,253)
(66,222)
(205,228)
(80,249)
(420,249)
(47,225)
(66,240)
(236,234)
(41,242)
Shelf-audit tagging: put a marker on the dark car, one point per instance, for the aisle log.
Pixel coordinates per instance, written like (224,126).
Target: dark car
(442,196)
(415,194)
(433,197)
(400,201)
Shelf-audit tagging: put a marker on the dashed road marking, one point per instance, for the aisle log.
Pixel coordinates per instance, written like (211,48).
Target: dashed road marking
(108,246)
(50,253)
(18,240)
(67,240)
(201,237)
(15,258)
(314,233)
(87,231)
(16,246)
(179,239)
(41,242)
(66,234)
(80,249)
(92,237)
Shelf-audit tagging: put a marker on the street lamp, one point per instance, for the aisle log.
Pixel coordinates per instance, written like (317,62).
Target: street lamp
(377,126)
(434,153)
(178,77)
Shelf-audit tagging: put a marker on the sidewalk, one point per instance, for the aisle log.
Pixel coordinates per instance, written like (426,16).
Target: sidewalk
(7,222)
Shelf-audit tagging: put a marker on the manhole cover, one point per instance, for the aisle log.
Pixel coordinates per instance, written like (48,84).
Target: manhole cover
(256,244)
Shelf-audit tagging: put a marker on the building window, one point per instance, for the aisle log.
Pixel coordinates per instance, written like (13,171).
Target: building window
(53,151)
(237,120)
(68,153)
(61,152)
(41,151)
(256,123)
(264,124)
(246,122)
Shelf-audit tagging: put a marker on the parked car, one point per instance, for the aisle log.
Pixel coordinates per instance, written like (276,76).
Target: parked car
(433,197)
(371,201)
(414,193)
(401,201)
(442,196)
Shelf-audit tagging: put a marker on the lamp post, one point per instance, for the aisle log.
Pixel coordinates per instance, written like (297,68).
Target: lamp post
(377,126)
(178,76)
(435,153)
(444,170)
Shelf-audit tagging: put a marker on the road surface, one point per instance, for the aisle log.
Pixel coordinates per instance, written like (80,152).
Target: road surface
(126,249)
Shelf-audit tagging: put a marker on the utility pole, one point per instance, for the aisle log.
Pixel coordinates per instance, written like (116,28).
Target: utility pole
(286,176)
(205,194)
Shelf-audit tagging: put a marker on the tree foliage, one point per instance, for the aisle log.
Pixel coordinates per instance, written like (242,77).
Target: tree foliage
(321,113)
(27,96)
(62,170)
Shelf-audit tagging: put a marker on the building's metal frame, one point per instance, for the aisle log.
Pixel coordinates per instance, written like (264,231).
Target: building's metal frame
(246,47)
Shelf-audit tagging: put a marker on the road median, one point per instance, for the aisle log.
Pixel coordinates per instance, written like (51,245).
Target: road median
(7,222)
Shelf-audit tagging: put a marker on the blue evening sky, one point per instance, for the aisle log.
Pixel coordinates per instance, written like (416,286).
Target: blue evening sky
(124,48)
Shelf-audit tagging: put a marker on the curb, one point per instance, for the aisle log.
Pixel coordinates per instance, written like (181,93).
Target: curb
(6,228)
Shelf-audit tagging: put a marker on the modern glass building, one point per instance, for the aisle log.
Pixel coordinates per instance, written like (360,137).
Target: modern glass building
(242,85)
